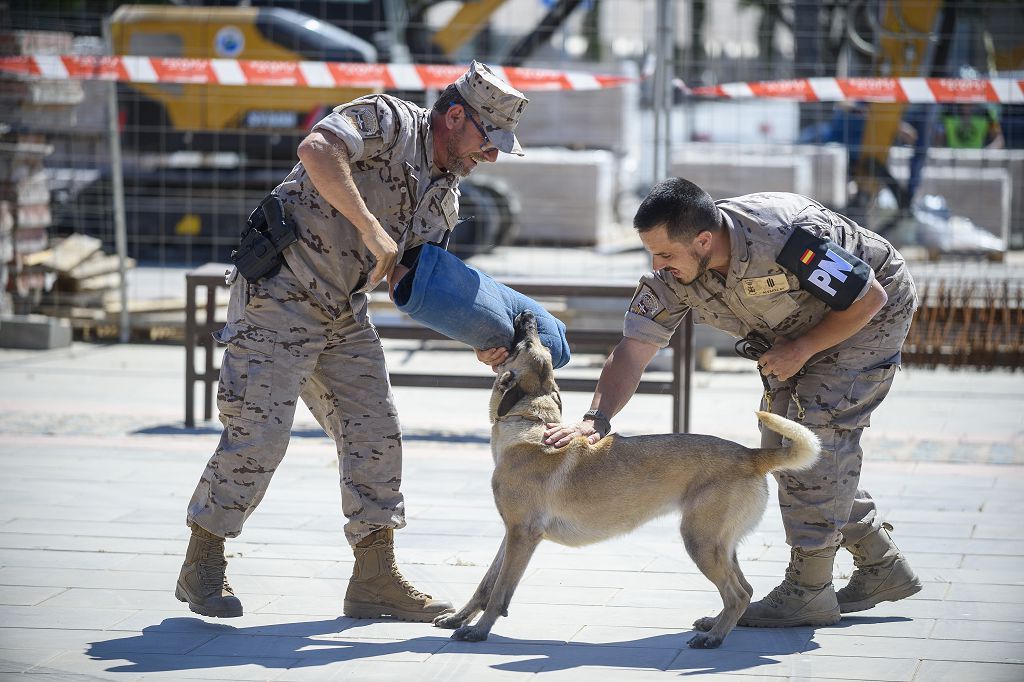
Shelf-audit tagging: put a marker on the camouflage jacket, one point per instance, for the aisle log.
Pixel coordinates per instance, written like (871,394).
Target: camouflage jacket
(391,153)
(760,295)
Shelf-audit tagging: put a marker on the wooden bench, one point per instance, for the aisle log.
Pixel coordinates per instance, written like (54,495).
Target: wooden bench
(198,330)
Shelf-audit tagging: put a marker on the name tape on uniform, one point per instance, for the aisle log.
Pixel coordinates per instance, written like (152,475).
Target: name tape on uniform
(288,74)
(903,90)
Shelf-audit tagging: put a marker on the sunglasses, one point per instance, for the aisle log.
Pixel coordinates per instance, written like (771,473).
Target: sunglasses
(486,146)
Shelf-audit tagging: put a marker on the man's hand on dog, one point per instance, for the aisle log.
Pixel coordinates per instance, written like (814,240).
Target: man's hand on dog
(560,435)
(491,356)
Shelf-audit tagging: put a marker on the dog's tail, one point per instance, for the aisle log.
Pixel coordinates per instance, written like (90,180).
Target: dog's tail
(802,453)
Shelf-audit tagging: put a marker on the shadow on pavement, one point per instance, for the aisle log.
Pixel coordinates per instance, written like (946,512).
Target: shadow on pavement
(179,644)
(287,645)
(316,432)
(849,620)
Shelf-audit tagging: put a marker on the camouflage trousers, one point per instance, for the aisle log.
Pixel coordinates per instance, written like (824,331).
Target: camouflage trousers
(282,346)
(825,505)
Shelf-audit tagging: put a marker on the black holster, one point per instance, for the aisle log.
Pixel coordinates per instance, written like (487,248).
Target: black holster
(266,235)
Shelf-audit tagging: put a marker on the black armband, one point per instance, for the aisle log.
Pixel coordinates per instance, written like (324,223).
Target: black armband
(411,256)
(410,259)
(825,270)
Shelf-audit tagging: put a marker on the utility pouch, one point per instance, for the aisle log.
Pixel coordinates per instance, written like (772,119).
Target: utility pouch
(266,235)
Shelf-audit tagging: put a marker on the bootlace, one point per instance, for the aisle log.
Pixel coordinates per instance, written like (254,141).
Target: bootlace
(857,581)
(786,588)
(212,566)
(400,579)
(780,592)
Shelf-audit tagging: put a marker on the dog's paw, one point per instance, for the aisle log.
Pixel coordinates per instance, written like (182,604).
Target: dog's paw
(470,633)
(702,624)
(704,641)
(449,621)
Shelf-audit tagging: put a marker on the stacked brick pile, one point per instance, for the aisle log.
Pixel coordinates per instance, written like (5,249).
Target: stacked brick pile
(30,111)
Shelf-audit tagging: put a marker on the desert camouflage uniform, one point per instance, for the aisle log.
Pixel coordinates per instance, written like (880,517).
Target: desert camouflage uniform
(305,332)
(841,386)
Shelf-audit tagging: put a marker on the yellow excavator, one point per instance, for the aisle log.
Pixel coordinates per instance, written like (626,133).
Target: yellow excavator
(225,117)
(197,157)
(264,121)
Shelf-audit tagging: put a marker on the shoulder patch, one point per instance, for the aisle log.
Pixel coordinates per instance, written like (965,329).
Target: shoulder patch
(364,118)
(646,303)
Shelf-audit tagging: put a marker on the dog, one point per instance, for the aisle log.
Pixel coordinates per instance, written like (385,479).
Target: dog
(582,493)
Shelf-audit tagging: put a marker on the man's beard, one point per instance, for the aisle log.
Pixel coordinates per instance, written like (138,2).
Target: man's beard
(702,267)
(456,164)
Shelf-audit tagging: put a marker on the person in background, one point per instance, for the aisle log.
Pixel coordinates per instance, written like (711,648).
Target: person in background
(970,126)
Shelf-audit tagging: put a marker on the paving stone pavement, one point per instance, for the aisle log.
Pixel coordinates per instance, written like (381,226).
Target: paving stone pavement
(97,471)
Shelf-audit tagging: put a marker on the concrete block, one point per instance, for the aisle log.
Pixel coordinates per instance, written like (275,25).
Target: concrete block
(826,164)
(981,194)
(566,197)
(35,332)
(723,174)
(603,118)
(969,160)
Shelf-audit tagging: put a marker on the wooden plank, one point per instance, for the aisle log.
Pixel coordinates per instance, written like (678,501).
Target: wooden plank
(73,251)
(37,258)
(110,280)
(84,299)
(98,264)
(153,305)
(73,312)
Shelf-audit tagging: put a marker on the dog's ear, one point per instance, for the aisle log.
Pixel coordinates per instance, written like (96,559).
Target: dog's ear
(509,400)
(511,395)
(506,379)
(546,375)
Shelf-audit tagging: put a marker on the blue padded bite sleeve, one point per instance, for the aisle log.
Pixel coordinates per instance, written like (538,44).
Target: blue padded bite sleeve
(464,304)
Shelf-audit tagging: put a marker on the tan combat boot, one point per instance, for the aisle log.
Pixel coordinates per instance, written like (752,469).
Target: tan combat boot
(805,597)
(882,573)
(378,589)
(202,581)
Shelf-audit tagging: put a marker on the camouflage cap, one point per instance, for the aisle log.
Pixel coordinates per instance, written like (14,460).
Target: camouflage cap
(498,104)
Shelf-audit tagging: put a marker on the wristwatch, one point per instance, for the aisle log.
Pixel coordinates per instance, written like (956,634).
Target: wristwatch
(603,424)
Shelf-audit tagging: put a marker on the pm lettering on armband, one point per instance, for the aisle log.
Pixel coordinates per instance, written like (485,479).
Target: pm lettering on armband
(830,269)
(825,270)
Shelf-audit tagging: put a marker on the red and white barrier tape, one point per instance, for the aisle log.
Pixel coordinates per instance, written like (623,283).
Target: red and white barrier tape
(906,90)
(432,76)
(279,73)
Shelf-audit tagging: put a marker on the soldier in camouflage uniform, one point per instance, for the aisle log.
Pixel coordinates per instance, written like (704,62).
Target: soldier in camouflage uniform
(835,302)
(377,178)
